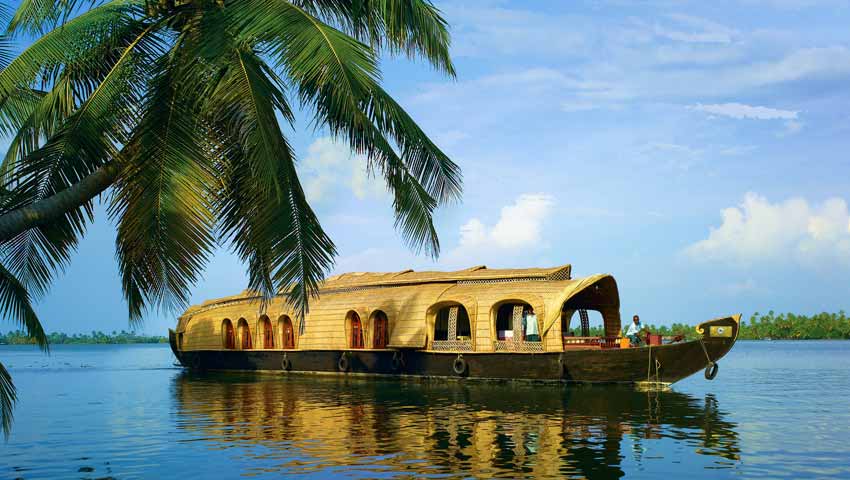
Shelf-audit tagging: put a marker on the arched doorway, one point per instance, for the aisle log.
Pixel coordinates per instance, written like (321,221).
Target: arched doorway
(355,330)
(266,331)
(380,329)
(228,335)
(287,333)
(244,334)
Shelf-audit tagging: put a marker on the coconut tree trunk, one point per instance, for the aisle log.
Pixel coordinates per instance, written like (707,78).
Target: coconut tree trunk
(50,208)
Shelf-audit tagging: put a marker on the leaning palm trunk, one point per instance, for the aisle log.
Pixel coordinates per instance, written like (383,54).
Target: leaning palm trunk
(44,211)
(172,108)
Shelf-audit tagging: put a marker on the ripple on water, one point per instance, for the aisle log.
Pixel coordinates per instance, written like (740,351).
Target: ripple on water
(771,413)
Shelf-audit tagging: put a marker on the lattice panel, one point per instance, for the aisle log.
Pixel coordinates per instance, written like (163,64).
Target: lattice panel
(585,323)
(518,346)
(563,274)
(518,332)
(501,280)
(452,345)
(453,323)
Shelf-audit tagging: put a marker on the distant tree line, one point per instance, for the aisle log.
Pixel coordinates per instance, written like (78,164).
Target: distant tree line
(95,337)
(784,326)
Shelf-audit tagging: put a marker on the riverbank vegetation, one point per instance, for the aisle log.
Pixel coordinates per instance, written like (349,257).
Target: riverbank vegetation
(770,326)
(21,338)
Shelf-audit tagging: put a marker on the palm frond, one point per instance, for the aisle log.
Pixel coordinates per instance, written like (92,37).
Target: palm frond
(43,60)
(8,397)
(45,112)
(15,305)
(85,141)
(273,230)
(161,203)
(39,16)
(412,27)
(5,42)
(338,77)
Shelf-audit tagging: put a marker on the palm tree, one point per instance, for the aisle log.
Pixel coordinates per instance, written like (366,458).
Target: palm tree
(177,106)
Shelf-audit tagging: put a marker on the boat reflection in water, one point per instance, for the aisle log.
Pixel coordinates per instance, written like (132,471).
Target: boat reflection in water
(386,428)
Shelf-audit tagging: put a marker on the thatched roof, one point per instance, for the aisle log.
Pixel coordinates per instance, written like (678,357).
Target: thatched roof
(474,274)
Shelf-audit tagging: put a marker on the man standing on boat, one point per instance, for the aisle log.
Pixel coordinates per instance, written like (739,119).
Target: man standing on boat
(529,325)
(634,331)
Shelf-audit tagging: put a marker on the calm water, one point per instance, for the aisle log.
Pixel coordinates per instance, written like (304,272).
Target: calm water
(776,409)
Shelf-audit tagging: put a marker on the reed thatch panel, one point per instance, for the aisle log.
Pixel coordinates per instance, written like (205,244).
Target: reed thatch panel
(202,334)
(478,273)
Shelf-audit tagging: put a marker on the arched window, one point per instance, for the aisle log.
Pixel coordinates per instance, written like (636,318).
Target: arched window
(266,331)
(380,330)
(244,334)
(517,327)
(355,330)
(452,330)
(287,333)
(228,335)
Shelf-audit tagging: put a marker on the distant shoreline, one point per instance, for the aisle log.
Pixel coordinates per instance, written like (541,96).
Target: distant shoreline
(94,338)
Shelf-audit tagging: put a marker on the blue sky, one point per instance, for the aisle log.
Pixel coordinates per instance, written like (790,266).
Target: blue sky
(695,150)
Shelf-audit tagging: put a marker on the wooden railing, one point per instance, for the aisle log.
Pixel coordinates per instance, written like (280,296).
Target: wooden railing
(591,342)
(463,344)
(511,345)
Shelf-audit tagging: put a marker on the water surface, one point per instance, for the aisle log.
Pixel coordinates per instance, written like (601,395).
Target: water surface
(776,409)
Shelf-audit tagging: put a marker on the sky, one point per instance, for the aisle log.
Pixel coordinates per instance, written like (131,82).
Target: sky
(695,150)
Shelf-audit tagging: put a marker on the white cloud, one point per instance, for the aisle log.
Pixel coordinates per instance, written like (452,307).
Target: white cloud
(519,226)
(793,230)
(740,110)
(330,167)
(701,30)
(743,111)
(515,238)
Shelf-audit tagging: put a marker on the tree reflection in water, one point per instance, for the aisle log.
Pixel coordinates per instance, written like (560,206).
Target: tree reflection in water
(313,424)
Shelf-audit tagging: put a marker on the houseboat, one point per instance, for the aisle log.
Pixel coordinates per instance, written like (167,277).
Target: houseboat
(473,323)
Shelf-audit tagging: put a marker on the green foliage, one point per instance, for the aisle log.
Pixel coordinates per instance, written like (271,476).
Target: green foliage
(21,338)
(786,326)
(789,326)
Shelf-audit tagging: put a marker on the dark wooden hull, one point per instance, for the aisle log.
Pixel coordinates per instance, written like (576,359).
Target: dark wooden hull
(665,363)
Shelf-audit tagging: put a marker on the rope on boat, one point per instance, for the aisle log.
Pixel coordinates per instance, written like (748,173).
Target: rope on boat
(711,368)
(657,369)
(702,344)
(649,366)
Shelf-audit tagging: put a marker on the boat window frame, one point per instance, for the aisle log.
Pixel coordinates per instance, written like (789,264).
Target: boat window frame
(281,321)
(373,322)
(264,326)
(240,334)
(516,343)
(449,343)
(349,330)
(224,337)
